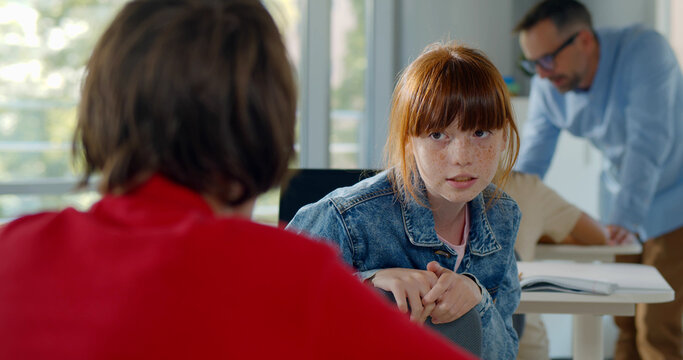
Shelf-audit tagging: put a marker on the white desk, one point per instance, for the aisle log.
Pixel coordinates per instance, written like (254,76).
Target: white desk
(637,284)
(585,253)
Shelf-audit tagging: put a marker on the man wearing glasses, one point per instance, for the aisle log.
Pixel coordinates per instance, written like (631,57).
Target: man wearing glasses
(622,89)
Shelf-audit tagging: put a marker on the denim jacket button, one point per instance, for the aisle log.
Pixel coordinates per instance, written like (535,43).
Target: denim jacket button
(442,253)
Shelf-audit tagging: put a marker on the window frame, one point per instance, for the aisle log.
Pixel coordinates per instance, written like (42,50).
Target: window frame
(314,92)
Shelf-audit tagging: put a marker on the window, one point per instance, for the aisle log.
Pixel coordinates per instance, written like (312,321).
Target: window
(44,48)
(332,87)
(347,81)
(287,15)
(45,45)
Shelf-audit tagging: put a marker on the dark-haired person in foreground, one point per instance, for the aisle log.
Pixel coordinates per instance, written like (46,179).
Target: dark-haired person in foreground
(187,113)
(621,89)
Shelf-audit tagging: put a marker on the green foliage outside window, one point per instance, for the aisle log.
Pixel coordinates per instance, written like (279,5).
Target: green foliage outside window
(43,49)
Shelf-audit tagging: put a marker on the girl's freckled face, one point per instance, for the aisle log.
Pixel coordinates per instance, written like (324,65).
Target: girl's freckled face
(457,165)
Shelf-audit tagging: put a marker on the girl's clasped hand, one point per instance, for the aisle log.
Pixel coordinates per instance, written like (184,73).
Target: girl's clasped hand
(437,292)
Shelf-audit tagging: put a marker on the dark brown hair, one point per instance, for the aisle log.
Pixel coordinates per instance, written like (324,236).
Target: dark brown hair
(447,83)
(199,91)
(562,13)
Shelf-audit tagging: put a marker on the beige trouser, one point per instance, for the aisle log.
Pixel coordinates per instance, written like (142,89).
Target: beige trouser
(655,331)
(534,342)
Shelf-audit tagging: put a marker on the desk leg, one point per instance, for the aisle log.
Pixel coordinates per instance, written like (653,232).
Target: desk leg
(588,337)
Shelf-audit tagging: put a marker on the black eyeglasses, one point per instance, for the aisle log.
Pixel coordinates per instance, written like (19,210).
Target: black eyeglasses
(546,61)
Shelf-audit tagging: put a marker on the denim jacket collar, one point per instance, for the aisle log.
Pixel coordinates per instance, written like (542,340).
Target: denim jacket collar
(418,222)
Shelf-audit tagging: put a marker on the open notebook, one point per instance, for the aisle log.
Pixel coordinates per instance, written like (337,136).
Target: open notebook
(585,278)
(566,284)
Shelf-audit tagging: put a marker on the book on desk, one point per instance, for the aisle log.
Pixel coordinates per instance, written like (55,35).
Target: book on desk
(566,284)
(586,278)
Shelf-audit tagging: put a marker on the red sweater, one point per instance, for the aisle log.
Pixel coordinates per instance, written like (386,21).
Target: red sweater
(155,274)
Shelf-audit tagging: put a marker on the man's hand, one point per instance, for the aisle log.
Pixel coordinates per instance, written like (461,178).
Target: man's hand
(454,294)
(411,285)
(619,235)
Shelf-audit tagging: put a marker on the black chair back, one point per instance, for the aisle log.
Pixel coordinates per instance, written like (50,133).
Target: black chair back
(465,331)
(307,186)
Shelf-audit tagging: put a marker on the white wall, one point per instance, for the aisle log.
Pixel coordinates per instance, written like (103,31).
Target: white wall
(484,24)
(611,13)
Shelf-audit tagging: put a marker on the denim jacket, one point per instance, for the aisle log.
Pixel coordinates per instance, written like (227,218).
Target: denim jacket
(376,229)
